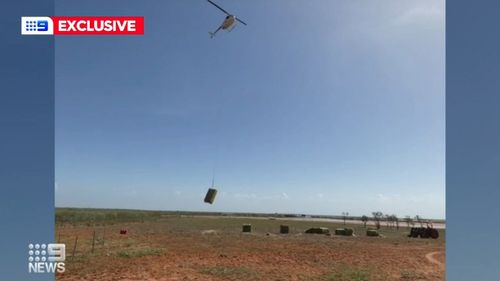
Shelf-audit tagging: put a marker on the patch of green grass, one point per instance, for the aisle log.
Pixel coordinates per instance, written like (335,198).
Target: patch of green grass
(352,275)
(91,217)
(78,259)
(349,273)
(141,252)
(407,275)
(231,273)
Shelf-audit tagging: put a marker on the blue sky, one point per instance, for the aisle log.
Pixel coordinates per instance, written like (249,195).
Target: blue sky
(315,107)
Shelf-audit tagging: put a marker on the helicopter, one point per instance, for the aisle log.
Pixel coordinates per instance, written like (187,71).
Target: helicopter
(228,23)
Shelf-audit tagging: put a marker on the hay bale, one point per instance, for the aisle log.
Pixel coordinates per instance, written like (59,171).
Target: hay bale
(318,230)
(210,197)
(324,230)
(247,228)
(344,231)
(284,229)
(340,231)
(372,233)
(349,231)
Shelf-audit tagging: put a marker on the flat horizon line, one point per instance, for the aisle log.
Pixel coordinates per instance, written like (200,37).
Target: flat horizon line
(260,214)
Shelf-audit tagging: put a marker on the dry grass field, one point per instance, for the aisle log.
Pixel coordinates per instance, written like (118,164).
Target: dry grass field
(180,247)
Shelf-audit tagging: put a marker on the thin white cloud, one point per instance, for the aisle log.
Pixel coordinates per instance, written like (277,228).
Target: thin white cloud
(132,192)
(282,196)
(385,198)
(397,198)
(245,195)
(421,15)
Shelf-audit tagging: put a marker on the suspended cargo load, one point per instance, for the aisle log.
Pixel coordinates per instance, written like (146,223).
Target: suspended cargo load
(210,197)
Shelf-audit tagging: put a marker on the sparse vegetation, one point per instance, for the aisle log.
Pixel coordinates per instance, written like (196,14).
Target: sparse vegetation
(350,273)
(231,273)
(364,219)
(174,242)
(419,220)
(140,252)
(377,217)
(95,217)
(344,216)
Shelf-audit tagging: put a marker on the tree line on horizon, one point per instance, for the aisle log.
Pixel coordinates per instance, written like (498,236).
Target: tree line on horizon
(392,221)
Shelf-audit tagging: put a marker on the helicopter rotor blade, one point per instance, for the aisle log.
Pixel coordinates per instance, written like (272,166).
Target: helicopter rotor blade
(219,7)
(241,21)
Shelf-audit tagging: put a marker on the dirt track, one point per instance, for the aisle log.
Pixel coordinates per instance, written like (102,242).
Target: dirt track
(432,258)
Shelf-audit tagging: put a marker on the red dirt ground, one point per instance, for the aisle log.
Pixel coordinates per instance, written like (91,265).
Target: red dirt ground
(150,251)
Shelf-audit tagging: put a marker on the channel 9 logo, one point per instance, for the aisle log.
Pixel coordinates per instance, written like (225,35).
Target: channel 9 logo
(46,258)
(83,25)
(37,26)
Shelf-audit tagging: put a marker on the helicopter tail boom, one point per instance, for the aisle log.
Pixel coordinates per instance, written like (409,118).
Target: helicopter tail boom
(212,34)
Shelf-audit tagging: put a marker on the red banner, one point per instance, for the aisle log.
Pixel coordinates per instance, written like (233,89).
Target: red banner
(101,25)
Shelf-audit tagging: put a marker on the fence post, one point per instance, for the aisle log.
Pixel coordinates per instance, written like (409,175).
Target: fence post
(93,242)
(74,247)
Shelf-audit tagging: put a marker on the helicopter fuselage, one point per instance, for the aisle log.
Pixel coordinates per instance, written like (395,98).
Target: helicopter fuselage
(228,22)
